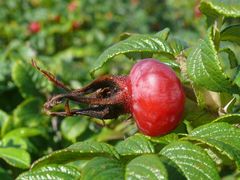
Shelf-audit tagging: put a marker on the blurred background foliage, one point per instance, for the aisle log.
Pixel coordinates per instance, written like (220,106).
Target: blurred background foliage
(65,38)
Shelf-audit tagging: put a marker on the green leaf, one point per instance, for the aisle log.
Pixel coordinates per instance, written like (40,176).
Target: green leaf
(174,172)
(192,160)
(72,127)
(53,171)
(146,167)
(78,151)
(24,132)
(222,136)
(29,81)
(229,118)
(237,79)
(166,139)
(134,44)
(29,114)
(15,141)
(177,45)
(3,119)
(134,145)
(15,157)
(163,34)
(224,7)
(233,62)
(204,69)
(103,168)
(5,73)
(108,134)
(231,33)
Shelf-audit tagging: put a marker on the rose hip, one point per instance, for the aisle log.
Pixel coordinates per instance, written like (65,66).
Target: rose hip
(152,93)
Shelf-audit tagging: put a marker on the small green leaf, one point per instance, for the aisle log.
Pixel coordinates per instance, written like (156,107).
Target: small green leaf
(78,151)
(24,132)
(134,145)
(233,62)
(222,136)
(15,141)
(231,33)
(164,139)
(229,118)
(177,45)
(237,79)
(192,160)
(29,81)
(163,34)
(103,168)
(29,114)
(134,44)
(53,171)
(15,157)
(72,127)
(204,68)
(224,7)
(146,167)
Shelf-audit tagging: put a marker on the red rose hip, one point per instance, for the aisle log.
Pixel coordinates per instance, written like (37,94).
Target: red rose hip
(152,93)
(157,97)
(34,27)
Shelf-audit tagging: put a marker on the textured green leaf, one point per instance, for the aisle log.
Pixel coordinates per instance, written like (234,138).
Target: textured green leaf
(192,160)
(177,45)
(15,157)
(204,69)
(29,81)
(134,44)
(53,171)
(146,167)
(103,168)
(77,151)
(224,7)
(231,33)
(72,127)
(229,118)
(29,113)
(163,34)
(174,172)
(164,139)
(134,145)
(222,136)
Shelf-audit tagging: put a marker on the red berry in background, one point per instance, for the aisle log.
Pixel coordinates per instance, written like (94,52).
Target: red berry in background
(72,6)
(75,25)
(152,93)
(34,27)
(157,97)
(57,18)
(197,12)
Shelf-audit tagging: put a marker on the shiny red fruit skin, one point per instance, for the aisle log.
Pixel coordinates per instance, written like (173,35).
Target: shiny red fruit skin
(34,27)
(157,97)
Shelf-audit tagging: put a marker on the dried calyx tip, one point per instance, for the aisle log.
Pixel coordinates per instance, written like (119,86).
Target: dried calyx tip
(107,98)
